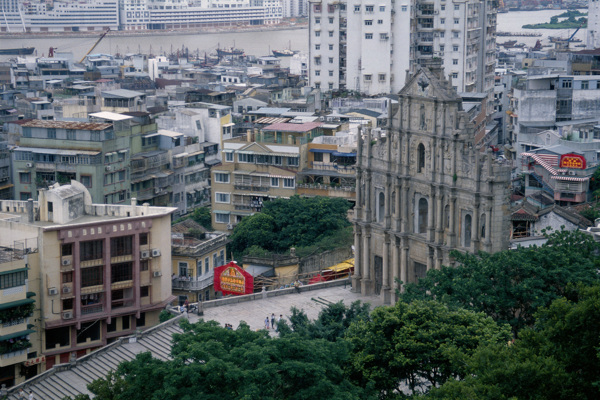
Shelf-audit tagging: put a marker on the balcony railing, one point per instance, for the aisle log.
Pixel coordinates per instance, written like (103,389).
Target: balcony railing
(96,308)
(195,284)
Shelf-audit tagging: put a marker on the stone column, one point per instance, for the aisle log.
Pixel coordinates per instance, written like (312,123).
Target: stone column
(366,282)
(404,263)
(395,268)
(452,227)
(430,217)
(387,202)
(357,259)
(488,229)
(385,288)
(396,221)
(439,219)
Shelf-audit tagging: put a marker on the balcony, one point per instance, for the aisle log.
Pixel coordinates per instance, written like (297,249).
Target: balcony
(15,357)
(92,309)
(200,283)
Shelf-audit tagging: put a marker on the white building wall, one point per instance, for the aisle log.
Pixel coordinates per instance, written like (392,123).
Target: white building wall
(593,25)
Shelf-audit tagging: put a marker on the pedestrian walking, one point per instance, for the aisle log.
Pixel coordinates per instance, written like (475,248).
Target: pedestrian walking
(22,394)
(272,320)
(267,322)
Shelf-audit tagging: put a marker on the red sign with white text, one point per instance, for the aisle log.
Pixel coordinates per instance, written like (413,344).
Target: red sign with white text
(574,161)
(232,279)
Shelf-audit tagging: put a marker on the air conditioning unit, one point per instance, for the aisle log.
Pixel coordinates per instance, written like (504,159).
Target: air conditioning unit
(155,253)
(29,165)
(52,291)
(571,172)
(108,168)
(156,190)
(66,289)
(144,254)
(66,261)
(229,226)
(157,274)
(436,12)
(67,315)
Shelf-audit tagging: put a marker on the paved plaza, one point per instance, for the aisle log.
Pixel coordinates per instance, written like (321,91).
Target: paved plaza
(255,312)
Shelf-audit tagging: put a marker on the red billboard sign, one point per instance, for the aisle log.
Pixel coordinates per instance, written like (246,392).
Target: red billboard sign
(574,161)
(232,279)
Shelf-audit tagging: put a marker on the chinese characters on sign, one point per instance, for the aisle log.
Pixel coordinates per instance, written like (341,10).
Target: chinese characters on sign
(574,161)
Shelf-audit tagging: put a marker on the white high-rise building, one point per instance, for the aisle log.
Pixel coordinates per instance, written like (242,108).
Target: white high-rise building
(593,25)
(369,46)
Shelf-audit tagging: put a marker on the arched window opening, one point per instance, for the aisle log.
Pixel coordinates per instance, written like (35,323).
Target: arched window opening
(393,199)
(447,214)
(467,239)
(423,214)
(420,158)
(381,207)
(483,226)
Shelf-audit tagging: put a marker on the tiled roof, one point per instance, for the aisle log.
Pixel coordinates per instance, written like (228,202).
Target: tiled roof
(286,127)
(86,126)
(71,379)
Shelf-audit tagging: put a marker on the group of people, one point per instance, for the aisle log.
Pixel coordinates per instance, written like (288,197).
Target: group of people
(26,396)
(229,327)
(272,322)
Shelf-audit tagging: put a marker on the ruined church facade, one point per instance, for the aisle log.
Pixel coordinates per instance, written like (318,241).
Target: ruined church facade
(424,189)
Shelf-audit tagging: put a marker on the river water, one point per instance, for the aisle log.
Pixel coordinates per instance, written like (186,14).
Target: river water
(257,43)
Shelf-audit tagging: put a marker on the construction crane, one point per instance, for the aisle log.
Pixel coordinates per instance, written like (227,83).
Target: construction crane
(95,44)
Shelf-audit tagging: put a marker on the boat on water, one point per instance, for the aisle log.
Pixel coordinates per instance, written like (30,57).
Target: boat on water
(284,53)
(20,51)
(229,51)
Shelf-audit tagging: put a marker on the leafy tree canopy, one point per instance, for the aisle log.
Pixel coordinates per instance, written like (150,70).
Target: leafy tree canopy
(297,221)
(510,286)
(409,347)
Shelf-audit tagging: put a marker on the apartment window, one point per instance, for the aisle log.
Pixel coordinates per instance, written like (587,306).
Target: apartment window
(317,47)
(318,157)
(92,276)
(66,249)
(292,161)
(331,20)
(51,133)
(317,33)
(381,77)
(455,35)
(330,73)
(183,269)
(229,157)
(330,47)
(456,7)
(455,61)
(317,20)
(125,322)
(144,292)
(442,21)
(330,85)
(221,177)
(121,272)
(382,8)
(67,304)
(317,72)
(70,134)
(380,21)
(369,9)
(13,279)
(330,33)
(443,8)
(215,260)
(222,218)
(67,277)
(442,34)
(275,182)
(367,77)
(368,36)
(143,239)
(330,60)
(585,84)
(144,265)
(356,8)
(206,265)
(455,75)
(91,250)
(442,47)
(456,21)
(288,182)
(383,36)
(454,48)
(222,197)
(86,180)
(317,62)
(121,246)
(368,22)
(318,85)
(404,8)
(24,177)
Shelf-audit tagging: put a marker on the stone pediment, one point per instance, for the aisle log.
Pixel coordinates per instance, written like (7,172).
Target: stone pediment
(256,148)
(426,83)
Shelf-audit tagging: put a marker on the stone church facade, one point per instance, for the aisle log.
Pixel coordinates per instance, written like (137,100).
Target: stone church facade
(425,189)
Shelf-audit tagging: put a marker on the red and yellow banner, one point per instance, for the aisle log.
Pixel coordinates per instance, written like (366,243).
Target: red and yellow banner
(574,161)
(232,279)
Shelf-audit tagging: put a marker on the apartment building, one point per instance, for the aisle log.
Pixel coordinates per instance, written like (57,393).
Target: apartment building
(258,167)
(392,37)
(100,272)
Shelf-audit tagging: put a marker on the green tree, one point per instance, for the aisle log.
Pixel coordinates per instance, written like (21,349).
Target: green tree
(510,286)
(202,216)
(209,362)
(257,231)
(410,347)
(558,358)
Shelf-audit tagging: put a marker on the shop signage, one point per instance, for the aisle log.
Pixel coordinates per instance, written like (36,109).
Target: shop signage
(574,161)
